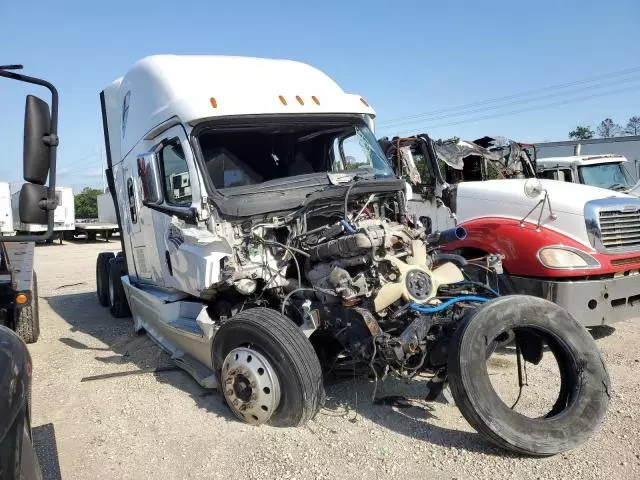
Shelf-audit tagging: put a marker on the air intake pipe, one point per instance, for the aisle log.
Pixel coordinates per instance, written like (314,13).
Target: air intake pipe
(446,236)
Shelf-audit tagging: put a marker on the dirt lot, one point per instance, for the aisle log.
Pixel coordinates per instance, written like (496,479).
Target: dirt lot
(163,425)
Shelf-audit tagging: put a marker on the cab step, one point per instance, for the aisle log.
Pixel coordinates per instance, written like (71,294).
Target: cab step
(206,377)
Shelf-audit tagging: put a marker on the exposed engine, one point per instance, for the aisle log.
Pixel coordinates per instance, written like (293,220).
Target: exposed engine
(362,274)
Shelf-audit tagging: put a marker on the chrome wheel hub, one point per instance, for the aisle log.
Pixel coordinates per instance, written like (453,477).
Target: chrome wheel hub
(250,385)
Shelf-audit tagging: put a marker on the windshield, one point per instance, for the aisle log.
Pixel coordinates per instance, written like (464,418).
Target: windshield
(278,149)
(606,175)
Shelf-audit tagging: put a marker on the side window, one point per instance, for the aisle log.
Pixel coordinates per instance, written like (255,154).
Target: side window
(132,201)
(348,154)
(354,156)
(177,183)
(548,174)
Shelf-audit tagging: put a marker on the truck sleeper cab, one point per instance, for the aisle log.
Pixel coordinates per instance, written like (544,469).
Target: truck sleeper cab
(196,163)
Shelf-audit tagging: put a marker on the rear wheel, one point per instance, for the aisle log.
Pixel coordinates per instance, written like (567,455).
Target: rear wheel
(268,369)
(540,328)
(102,277)
(118,304)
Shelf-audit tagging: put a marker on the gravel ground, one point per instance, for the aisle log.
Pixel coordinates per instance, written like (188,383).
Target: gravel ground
(163,425)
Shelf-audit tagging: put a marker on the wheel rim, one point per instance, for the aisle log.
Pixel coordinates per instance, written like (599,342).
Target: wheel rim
(250,384)
(112,292)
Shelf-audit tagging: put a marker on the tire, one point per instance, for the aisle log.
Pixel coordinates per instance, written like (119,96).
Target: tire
(585,384)
(102,277)
(289,353)
(28,316)
(118,304)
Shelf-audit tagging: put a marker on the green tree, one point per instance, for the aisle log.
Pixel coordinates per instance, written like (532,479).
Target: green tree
(633,126)
(581,133)
(608,128)
(86,203)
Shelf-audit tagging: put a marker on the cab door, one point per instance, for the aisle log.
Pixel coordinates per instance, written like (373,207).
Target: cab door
(158,238)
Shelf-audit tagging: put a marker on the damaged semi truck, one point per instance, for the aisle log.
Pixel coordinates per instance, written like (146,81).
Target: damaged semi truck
(576,245)
(265,240)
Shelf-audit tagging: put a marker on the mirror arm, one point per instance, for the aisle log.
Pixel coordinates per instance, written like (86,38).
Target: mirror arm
(53,141)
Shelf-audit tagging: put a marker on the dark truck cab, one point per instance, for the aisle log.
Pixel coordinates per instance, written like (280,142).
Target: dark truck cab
(18,291)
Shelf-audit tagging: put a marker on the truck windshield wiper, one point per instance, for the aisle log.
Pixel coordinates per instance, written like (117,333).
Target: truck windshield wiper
(618,187)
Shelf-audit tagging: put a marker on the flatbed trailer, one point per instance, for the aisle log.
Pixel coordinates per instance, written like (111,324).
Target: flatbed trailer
(92,230)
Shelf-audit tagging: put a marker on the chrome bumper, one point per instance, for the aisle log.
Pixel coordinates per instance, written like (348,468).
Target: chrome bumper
(591,302)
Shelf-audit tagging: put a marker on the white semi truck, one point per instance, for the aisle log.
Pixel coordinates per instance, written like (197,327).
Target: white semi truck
(604,171)
(264,237)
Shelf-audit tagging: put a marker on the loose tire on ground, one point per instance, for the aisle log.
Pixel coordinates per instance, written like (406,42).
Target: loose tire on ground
(289,353)
(28,317)
(102,277)
(584,394)
(118,305)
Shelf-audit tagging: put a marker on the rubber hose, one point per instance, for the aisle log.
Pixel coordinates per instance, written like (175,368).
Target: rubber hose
(447,304)
(459,260)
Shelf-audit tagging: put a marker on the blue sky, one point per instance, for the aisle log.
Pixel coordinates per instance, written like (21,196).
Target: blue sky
(404,57)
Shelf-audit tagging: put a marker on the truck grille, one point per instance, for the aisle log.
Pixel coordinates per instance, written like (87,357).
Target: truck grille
(620,229)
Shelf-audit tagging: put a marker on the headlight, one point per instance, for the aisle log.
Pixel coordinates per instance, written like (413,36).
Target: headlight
(566,257)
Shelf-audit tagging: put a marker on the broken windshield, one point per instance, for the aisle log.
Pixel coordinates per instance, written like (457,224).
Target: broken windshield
(252,155)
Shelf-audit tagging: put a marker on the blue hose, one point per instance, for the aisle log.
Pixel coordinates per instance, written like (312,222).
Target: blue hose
(447,304)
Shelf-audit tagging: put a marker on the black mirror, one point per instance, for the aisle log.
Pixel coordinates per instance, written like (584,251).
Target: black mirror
(37,144)
(32,204)
(36,201)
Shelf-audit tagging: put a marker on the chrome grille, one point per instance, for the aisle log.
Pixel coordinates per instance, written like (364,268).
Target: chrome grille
(620,229)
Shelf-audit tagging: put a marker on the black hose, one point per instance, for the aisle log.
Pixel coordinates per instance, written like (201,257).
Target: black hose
(346,200)
(459,260)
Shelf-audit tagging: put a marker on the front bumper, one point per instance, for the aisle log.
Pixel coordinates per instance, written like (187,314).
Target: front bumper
(591,302)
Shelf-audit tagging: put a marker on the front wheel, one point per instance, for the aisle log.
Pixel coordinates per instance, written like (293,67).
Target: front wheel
(269,371)
(540,328)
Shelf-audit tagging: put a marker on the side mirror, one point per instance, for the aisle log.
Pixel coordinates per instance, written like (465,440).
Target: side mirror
(37,200)
(36,161)
(37,141)
(149,174)
(533,187)
(32,197)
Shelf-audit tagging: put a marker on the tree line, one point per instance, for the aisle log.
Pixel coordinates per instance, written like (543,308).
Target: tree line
(86,203)
(607,129)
